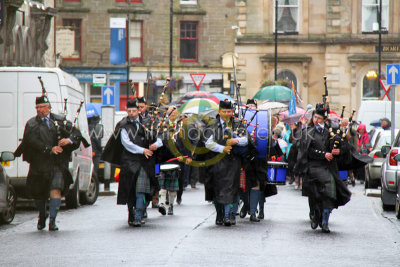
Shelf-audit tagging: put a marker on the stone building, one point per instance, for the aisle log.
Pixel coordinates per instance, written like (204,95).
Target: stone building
(203,42)
(336,38)
(24,32)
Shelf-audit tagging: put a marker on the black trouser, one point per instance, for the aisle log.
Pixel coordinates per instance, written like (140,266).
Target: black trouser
(359,173)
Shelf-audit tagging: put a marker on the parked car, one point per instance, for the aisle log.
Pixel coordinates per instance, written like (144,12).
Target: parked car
(373,170)
(389,172)
(8,198)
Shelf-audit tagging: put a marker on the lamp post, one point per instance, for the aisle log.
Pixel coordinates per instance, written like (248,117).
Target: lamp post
(171,21)
(127,53)
(379,43)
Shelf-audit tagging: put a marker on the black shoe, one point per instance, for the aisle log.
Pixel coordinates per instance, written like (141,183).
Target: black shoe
(325,228)
(261,215)
(131,217)
(253,218)
(227,222)
(137,223)
(171,210)
(178,200)
(52,225)
(145,214)
(162,209)
(42,222)
(243,211)
(233,219)
(353,182)
(314,222)
(219,222)
(291,180)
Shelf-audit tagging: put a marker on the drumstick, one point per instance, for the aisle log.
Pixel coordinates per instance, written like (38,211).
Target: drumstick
(176,158)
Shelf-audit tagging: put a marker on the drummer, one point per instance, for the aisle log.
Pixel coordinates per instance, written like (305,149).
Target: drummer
(171,173)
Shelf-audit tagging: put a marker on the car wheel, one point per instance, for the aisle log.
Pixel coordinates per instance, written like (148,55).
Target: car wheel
(90,196)
(385,207)
(72,198)
(397,205)
(7,216)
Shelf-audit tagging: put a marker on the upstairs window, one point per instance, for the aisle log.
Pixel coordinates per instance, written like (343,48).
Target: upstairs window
(75,26)
(370,15)
(188,2)
(288,16)
(188,41)
(135,41)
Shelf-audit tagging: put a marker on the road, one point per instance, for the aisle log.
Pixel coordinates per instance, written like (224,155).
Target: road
(362,234)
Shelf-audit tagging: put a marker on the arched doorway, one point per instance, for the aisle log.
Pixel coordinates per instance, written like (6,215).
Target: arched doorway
(370,86)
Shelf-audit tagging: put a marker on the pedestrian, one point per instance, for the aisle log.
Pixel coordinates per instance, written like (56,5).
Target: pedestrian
(131,147)
(363,140)
(47,145)
(317,161)
(224,174)
(385,123)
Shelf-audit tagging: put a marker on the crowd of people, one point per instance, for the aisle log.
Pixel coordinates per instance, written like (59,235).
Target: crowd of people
(162,151)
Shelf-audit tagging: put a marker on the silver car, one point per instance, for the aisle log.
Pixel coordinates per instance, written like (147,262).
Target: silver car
(8,198)
(373,170)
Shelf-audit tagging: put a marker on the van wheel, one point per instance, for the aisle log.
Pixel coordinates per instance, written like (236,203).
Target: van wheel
(7,216)
(72,198)
(397,205)
(385,207)
(90,196)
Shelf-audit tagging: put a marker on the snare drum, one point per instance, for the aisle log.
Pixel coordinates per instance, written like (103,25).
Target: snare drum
(276,172)
(169,178)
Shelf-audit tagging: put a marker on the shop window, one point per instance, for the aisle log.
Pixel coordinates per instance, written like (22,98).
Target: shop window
(370,86)
(288,16)
(75,26)
(123,93)
(136,41)
(95,94)
(370,18)
(188,41)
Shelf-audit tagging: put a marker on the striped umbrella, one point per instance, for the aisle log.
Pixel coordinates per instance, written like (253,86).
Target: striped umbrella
(198,105)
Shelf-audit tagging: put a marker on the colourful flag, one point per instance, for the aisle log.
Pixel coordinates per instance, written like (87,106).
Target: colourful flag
(292,103)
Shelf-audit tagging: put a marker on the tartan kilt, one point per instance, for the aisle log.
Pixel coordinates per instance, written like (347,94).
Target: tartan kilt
(169,180)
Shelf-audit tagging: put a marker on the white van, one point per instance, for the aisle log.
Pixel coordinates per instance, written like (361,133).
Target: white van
(372,110)
(19,88)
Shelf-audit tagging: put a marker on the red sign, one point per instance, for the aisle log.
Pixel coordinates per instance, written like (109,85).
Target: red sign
(197,79)
(386,88)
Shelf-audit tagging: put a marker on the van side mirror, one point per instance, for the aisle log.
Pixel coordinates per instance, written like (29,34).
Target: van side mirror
(7,156)
(385,150)
(379,154)
(397,157)
(99,131)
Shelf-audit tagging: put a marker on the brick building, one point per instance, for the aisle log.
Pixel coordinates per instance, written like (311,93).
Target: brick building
(203,42)
(24,32)
(336,38)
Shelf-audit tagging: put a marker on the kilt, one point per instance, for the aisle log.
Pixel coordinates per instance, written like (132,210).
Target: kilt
(169,180)
(143,182)
(58,181)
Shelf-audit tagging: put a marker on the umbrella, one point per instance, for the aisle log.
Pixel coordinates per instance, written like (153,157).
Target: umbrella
(93,109)
(275,107)
(198,94)
(274,93)
(289,119)
(298,110)
(222,97)
(197,106)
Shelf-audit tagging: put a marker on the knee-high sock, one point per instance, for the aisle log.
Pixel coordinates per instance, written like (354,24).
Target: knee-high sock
(54,206)
(254,199)
(163,197)
(41,206)
(171,197)
(140,205)
(325,216)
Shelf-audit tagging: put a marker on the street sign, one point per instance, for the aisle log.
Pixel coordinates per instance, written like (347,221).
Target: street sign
(393,74)
(386,88)
(197,79)
(107,95)
(99,79)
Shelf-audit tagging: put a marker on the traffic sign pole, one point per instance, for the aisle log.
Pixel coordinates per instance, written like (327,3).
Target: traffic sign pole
(392,119)
(393,78)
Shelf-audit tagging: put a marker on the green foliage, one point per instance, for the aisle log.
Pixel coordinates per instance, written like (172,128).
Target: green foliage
(284,82)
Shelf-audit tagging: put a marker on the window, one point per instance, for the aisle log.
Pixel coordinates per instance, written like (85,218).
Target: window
(188,41)
(75,26)
(288,16)
(132,1)
(370,18)
(370,85)
(188,2)
(288,75)
(135,41)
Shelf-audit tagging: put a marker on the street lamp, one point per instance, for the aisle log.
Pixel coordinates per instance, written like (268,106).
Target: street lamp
(276,40)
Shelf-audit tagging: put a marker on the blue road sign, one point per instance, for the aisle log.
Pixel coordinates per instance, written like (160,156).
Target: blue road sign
(393,74)
(107,95)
